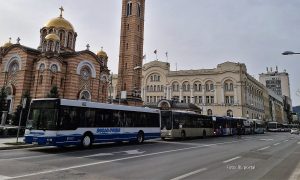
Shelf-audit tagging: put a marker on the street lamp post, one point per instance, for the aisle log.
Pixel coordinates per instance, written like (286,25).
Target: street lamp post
(289,53)
(110,87)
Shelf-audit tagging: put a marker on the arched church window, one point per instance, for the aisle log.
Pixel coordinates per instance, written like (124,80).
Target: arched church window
(50,48)
(129,8)
(85,73)
(8,91)
(54,68)
(57,46)
(42,67)
(62,37)
(69,40)
(44,33)
(139,10)
(13,67)
(85,95)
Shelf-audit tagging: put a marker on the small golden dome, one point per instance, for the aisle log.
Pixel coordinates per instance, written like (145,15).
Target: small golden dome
(52,37)
(102,53)
(7,44)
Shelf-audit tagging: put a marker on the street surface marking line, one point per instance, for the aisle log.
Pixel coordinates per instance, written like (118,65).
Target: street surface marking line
(232,159)
(286,140)
(276,144)
(189,174)
(101,162)
(298,143)
(266,139)
(263,148)
(4,177)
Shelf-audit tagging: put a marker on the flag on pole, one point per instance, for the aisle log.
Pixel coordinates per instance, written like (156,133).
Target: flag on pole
(167,56)
(155,52)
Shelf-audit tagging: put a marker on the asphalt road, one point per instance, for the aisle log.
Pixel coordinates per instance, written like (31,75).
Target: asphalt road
(267,156)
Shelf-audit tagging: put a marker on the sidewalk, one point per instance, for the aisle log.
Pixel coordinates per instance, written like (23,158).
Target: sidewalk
(10,143)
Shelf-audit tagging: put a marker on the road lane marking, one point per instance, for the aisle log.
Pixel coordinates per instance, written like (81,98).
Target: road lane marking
(263,148)
(4,177)
(95,155)
(286,140)
(266,139)
(189,174)
(298,143)
(101,162)
(232,159)
(276,144)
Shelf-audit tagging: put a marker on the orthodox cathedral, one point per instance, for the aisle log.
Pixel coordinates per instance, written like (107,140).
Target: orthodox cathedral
(55,63)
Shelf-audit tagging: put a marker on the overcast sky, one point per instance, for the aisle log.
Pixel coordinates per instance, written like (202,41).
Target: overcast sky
(196,33)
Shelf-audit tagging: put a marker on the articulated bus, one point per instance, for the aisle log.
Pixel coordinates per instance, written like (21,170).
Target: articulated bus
(183,124)
(62,122)
(272,126)
(259,126)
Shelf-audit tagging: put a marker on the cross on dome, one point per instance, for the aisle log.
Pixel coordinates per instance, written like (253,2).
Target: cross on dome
(61,10)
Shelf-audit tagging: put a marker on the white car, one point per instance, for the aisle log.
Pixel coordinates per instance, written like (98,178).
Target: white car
(295,131)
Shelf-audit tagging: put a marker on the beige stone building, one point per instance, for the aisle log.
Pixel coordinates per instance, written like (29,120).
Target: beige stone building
(76,74)
(225,90)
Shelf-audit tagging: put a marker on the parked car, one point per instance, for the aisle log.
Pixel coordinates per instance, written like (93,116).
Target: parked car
(295,131)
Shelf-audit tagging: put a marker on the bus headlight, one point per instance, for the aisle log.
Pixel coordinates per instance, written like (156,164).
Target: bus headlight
(49,139)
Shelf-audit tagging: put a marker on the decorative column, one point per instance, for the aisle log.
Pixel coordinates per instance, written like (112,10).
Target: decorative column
(192,96)
(222,94)
(168,93)
(215,94)
(180,94)
(165,92)
(235,94)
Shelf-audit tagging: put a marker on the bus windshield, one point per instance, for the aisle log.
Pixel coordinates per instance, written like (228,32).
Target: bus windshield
(43,115)
(166,120)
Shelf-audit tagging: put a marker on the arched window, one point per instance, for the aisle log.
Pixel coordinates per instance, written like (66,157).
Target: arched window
(231,87)
(70,37)
(62,37)
(139,10)
(129,8)
(85,73)
(230,113)
(13,67)
(85,95)
(209,112)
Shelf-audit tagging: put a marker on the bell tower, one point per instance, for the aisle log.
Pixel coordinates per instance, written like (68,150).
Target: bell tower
(131,49)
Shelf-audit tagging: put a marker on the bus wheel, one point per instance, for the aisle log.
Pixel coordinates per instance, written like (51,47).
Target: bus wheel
(182,135)
(140,137)
(204,134)
(86,141)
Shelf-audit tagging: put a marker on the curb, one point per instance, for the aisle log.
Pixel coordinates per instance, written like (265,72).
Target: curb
(18,147)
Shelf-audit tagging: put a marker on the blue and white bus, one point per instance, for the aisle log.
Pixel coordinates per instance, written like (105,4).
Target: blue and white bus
(62,122)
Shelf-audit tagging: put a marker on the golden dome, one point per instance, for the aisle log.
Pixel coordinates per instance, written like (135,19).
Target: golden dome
(102,53)
(7,44)
(60,22)
(52,37)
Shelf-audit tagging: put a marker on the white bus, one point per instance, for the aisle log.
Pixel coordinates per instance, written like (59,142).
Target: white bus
(62,122)
(259,126)
(183,124)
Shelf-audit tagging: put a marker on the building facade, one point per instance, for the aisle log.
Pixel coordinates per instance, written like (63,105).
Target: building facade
(279,83)
(131,49)
(76,74)
(227,90)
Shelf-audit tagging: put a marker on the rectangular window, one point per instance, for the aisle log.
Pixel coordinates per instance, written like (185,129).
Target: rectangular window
(212,99)
(207,100)
(231,100)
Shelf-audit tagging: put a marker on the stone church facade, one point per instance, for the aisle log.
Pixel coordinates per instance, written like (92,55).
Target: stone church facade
(76,74)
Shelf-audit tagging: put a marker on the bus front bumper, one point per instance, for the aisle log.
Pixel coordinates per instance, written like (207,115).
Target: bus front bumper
(52,141)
